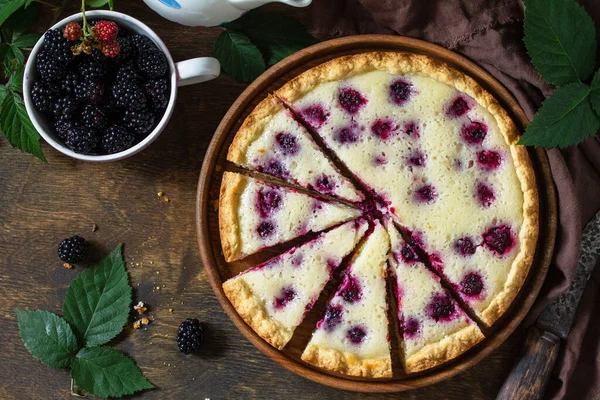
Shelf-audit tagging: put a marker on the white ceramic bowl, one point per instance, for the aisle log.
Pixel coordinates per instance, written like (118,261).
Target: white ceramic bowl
(183,73)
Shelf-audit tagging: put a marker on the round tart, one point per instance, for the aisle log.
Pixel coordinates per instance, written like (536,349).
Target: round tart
(418,149)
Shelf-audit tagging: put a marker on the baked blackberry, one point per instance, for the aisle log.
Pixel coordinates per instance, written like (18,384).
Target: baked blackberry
(117,139)
(68,84)
(64,107)
(62,125)
(190,336)
(73,249)
(81,139)
(50,68)
(93,117)
(139,122)
(140,42)
(44,95)
(128,95)
(157,92)
(89,92)
(127,73)
(90,69)
(152,63)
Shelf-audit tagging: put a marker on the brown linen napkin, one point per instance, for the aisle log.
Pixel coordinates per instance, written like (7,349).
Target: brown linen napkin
(490,32)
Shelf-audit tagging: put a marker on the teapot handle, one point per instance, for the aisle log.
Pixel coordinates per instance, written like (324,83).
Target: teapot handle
(197,70)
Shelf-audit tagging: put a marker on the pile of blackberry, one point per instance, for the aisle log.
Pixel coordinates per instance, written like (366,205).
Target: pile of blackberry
(101,97)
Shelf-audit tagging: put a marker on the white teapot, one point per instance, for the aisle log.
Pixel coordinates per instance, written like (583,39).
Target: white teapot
(210,12)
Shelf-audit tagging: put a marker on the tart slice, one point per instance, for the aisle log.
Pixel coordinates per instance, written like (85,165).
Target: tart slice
(254,215)
(274,297)
(352,336)
(271,141)
(433,327)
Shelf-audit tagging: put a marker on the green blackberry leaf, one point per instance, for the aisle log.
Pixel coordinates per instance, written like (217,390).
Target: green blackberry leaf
(26,41)
(96,3)
(595,92)
(98,301)
(13,59)
(15,81)
(238,56)
(566,118)
(8,7)
(47,337)
(20,21)
(560,37)
(275,35)
(106,372)
(3,93)
(17,127)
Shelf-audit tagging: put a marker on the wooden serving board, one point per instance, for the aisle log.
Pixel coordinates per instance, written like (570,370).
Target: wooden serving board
(218,270)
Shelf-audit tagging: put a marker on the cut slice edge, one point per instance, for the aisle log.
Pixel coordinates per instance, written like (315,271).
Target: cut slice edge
(461,332)
(237,202)
(267,299)
(352,337)
(257,125)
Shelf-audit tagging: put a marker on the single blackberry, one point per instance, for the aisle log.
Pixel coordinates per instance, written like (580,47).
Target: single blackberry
(90,69)
(127,73)
(117,139)
(152,63)
(139,122)
(73,250)
(89,92)
(55,42)
(93,117)
(44,95)
(190,336)
(62,125)
(157,92)
(126,49)
(50,68)
(81,139)
(128,95)
(140,42)
(64,107)
(98,56)
(68,84)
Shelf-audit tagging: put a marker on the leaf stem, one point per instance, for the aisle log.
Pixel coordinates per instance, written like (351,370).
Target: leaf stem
(76,393)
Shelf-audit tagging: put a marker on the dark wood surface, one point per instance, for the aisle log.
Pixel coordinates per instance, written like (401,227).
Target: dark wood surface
(218,270)
(42,204)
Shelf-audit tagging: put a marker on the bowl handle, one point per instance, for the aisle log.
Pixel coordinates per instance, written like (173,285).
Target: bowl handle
(197,70)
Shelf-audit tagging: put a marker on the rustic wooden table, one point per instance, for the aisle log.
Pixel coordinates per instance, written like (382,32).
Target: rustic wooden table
(42,204)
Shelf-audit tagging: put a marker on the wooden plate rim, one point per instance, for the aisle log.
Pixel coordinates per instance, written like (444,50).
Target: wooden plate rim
(542,258)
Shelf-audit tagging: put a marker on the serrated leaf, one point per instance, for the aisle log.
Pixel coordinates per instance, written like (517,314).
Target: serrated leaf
(13,59)
(3,93)
(15,81)
(17,127)
(8,7)
(275,35)
(21,20)
(47,337)
(595,92)
(98,301)
(560,37)
(566,118)
(26,41)
(106,372)
(238,56)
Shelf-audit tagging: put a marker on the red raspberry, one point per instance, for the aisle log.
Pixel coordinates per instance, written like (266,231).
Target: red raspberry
(72,31)
(106,31)
(111,50)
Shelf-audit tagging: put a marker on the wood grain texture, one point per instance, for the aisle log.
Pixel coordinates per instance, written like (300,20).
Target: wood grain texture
(219,271)
(42,204)
(528,378)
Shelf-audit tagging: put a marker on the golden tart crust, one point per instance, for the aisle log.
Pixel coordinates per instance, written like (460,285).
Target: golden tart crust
(346,363)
